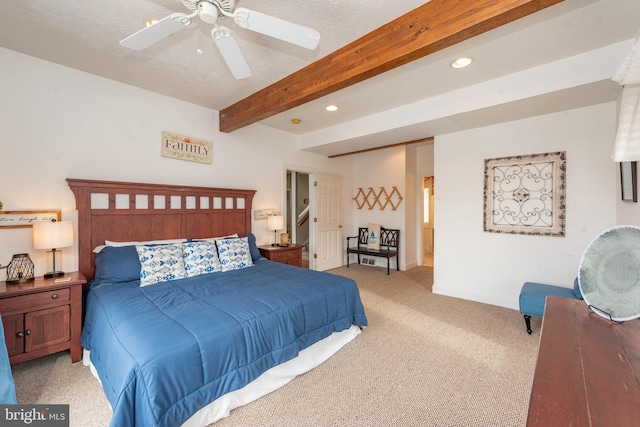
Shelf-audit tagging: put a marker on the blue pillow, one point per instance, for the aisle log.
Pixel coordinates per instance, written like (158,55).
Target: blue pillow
(117,264)
(253,247)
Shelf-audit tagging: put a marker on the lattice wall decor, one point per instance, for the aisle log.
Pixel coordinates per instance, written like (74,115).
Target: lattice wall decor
(382,198)
(525,194)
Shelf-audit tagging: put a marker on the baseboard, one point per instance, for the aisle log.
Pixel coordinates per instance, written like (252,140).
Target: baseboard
(482,297)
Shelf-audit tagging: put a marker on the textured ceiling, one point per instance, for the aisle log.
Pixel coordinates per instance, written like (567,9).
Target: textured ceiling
(84,35)
(561,31)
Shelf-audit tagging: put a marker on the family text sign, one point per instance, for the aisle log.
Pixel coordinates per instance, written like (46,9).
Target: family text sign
(186,148)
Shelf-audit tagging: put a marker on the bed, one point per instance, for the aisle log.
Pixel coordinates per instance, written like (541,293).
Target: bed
(178,338)
(7,386)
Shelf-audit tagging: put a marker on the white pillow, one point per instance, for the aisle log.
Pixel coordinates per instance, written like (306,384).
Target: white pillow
(200,257)
(215,239)
(142,243)
(234,254)
(160,263)
(97,249)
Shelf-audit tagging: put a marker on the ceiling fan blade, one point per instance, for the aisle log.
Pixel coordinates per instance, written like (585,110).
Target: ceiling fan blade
(277,28)
(156,32)
(231,52)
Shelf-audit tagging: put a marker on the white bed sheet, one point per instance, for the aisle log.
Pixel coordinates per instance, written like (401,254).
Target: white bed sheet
(271,380)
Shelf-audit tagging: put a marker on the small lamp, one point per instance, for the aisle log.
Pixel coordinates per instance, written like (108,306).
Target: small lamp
(53,235)
(275,223)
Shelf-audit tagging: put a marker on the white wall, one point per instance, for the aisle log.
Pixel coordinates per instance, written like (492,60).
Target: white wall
(490,267)
(404,168)
(385,168)
(60,123)
(628,213)
(425,163)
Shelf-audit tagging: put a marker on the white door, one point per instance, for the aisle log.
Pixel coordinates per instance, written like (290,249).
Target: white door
(327,221)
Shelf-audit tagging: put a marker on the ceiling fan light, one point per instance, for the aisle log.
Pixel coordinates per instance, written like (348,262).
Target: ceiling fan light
(207,12)
(210,11)
(462,62)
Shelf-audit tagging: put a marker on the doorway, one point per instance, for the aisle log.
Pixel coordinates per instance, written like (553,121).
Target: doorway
(297,215)
(428,242)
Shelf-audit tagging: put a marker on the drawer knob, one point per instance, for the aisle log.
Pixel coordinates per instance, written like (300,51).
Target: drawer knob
(54,296)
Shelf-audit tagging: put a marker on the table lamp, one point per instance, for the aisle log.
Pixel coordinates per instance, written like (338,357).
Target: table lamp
(275,223)
(53,235)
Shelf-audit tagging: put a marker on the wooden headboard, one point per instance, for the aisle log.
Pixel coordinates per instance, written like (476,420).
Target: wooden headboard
(127,211)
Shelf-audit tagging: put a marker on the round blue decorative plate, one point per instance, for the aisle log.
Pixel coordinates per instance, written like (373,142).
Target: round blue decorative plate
(609,273)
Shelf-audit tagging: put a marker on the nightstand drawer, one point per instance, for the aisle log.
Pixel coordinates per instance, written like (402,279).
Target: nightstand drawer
(287,254)
(34,300)
(291,255)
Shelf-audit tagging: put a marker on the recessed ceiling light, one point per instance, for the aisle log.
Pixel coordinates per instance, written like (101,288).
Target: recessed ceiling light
(296,121)
(331,108)
(461,62)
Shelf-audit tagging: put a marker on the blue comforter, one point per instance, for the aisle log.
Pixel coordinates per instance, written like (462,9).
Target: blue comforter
(7,386)
(164,351)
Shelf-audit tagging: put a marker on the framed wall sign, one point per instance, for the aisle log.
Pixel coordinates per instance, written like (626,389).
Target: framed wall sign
(628,181)
(186,148)
(525,194)
(20,219)
(263,213)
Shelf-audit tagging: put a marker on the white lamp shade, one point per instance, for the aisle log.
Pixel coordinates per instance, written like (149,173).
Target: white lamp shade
(52,235)
(275,222)
(627,144)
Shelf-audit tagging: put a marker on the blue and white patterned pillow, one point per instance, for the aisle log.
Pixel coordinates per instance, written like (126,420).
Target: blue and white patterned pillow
(160,263)
(234,254)
(200,257)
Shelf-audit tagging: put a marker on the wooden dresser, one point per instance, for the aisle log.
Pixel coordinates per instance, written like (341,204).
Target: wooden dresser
(291,254)
(588,369)
(42,316)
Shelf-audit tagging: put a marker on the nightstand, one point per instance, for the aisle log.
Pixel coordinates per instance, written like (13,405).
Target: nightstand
(42,317)
(291,254)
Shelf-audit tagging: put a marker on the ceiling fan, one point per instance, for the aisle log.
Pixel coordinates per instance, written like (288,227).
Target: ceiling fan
(210,11)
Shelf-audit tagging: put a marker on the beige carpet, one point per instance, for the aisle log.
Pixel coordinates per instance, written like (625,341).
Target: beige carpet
(424,360)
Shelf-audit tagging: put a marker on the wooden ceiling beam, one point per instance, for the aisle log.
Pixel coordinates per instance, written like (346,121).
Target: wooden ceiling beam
(429,28)
(398,144)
